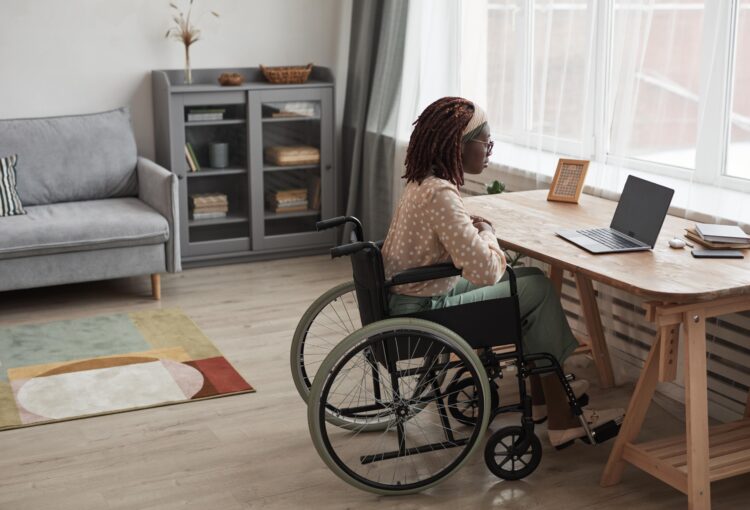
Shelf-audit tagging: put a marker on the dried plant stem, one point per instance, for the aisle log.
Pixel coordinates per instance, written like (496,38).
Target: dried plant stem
(188,70)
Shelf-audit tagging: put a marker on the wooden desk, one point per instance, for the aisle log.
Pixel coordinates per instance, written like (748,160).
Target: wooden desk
(681,291)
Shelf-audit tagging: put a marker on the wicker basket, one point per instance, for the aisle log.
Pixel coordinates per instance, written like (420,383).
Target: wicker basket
(287,74)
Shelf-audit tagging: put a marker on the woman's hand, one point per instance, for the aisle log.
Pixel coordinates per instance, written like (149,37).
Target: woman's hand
(483,225)
(479,219)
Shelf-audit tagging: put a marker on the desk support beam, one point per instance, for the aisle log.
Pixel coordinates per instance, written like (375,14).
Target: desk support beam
(634,416)
(696,410)
(593,321)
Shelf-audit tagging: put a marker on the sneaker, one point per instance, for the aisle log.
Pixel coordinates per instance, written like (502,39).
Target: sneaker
(579,387)
(596,418)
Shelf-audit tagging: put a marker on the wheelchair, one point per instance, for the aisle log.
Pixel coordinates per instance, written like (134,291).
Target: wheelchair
(398,403)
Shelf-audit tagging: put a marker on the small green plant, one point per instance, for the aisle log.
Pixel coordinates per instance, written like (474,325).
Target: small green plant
(495,187)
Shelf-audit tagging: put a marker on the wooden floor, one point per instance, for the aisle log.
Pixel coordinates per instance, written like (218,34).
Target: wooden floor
(253,450)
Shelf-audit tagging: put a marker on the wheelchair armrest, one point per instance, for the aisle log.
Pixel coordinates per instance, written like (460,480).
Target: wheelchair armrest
(424,273)
(437,271)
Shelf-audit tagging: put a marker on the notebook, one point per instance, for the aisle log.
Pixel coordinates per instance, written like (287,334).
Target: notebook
(722,233)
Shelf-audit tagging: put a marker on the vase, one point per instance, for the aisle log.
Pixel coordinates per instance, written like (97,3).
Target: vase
(188,71)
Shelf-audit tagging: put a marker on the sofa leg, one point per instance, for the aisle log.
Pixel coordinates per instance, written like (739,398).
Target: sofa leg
(156,286)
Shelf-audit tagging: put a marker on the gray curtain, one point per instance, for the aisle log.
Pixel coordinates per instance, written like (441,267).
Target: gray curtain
(376,53)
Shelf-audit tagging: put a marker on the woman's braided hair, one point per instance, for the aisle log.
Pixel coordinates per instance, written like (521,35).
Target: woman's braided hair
(436,142)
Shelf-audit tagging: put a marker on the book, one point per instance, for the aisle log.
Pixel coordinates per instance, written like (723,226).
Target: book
(694,236)
(205,114)
(292,155)
(208,215)
(208,199)
(281,210)
(213,208)
(193,156)
(191,165)
(714,233)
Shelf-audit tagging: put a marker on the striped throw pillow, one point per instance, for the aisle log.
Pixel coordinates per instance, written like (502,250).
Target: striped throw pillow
(10,204)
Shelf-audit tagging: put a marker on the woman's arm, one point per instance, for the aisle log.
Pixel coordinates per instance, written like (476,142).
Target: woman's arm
(471,248)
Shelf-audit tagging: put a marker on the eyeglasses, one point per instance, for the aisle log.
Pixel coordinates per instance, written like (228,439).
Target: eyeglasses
(489,145)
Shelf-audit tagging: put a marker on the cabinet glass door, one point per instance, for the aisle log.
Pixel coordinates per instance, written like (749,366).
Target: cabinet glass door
(216,199)
(292,177)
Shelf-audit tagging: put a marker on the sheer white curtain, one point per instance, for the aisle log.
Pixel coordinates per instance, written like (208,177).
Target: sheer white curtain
(648,87)
(654,88)
(432,59)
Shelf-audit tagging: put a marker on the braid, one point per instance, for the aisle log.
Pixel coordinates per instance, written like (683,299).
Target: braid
(435,143)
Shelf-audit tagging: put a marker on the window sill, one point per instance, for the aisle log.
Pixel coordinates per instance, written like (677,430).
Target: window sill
(523,169)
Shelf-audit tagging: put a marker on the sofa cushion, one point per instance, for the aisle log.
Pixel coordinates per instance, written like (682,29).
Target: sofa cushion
(10,205)
(81,226)
(65,159)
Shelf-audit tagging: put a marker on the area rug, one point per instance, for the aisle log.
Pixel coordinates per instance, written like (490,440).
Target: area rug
(106,364)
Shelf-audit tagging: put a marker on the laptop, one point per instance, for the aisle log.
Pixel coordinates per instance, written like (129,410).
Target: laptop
(636,224)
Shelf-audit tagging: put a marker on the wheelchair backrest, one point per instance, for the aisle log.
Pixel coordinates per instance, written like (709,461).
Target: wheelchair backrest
(369,282)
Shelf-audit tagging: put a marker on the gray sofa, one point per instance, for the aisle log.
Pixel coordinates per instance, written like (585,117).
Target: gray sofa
(95,210)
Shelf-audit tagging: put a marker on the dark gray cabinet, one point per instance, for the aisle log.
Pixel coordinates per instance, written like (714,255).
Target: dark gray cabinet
(255,118)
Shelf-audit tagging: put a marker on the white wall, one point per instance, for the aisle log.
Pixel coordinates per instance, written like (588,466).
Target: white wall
(81,56)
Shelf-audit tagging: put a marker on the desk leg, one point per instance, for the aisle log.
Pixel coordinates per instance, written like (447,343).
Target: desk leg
(596,333)
(696,410)
(634,416)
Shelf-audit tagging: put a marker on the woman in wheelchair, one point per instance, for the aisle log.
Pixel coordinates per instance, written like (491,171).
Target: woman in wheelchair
(431,225)
(398,366)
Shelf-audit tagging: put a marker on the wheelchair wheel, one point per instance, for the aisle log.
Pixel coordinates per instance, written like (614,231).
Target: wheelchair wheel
(512,454)
(463,402)
(330,318)
(396,367)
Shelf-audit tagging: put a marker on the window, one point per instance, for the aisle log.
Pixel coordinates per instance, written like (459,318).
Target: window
(657,86)
(560,56)
(738,156)
(542,97)
(655,80)
(503,20)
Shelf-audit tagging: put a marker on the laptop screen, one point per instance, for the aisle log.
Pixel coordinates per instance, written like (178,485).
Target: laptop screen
(642,208)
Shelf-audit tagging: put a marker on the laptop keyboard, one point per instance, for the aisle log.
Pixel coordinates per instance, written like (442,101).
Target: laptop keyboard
(609,238)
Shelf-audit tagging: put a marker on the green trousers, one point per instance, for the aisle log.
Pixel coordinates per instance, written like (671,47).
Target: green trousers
(543,322)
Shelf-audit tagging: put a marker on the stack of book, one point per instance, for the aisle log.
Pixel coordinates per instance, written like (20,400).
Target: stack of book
(205,114)
(192,161)
(209,205)
(292,155)
(719,236)
(288,200)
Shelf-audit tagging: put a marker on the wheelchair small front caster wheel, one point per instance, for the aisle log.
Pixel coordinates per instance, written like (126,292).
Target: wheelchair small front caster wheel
(463,402)
(512,454)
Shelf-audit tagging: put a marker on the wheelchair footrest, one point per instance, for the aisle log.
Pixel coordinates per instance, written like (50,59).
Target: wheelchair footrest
(604,432)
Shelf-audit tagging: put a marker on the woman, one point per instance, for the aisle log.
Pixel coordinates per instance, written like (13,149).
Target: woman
(431,225)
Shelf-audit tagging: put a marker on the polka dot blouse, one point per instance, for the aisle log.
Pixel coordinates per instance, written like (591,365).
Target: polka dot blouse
(430,226)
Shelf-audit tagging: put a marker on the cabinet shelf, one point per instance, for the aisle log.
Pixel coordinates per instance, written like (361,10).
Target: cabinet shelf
(232,218)
(300,118)
(298,214)
(211,172)
(225,122)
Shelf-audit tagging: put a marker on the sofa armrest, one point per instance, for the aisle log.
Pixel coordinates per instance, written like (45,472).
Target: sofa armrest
(157,187)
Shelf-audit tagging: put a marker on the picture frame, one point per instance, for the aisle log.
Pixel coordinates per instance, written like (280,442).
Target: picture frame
(567,183)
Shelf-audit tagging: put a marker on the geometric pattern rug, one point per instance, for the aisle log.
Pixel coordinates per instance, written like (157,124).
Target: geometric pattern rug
(78,368)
